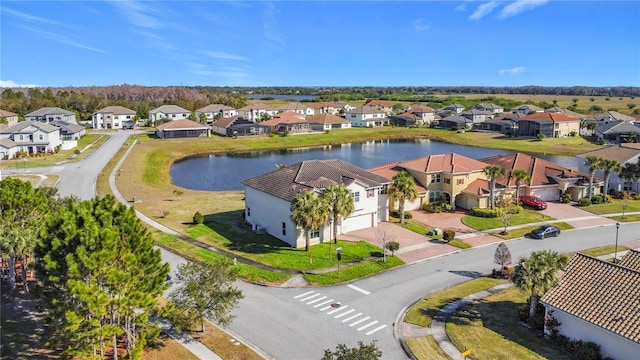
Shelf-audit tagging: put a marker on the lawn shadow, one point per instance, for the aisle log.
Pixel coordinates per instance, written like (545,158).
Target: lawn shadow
(470,274)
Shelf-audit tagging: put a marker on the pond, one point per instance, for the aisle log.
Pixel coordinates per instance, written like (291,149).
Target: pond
(224,172)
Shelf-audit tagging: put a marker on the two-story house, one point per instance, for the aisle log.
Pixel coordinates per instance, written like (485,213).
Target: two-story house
(7,118)
(214,112)
(49,114)
(296,107)
(269,198)
(527,109)
(366,116)
(168,112)
(381,105)
(32,137)
(326,107)
(549,124)
(114,117)
(493,108)
(256,112)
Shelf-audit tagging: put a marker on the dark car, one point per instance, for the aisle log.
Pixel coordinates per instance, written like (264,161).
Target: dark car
(533,201)
(544,231)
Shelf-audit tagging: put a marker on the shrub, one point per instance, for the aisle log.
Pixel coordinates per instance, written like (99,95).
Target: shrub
(514,209)
(597,199)
(76,151)
(437,208)
(198,218)
(396,214)
(393,246)
(584,202)
(566,197)
(448,235)
(486,213)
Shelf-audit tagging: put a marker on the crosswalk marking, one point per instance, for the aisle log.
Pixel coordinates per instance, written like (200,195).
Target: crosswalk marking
(327,307)
(369,324)
(309,297)
(344,313)
(351,317)
(323,303)
(359,321)
(336,310)
(301,295)
(376,329)
(316,300)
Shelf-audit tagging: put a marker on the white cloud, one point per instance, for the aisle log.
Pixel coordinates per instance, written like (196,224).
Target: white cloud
(63,39)
(484,9)
(224,55)
(519,6)
(138,14)
(31,18)
(271,29)
(13,84)
(461,7)
(512,71)
(419,25)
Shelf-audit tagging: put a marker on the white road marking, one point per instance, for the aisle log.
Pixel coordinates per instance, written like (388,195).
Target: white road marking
(309,297)
(344,313)
(369,324)
(301,295)
(351,317)
(376,329)
(316,300)
(337,309)
(327,307)
(322,303)
(361,320)
(359,289)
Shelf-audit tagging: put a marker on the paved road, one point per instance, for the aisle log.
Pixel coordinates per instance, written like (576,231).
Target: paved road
(299,323)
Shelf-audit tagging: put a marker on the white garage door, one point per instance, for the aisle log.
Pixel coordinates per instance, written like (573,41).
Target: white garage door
(546,194)
(356,223)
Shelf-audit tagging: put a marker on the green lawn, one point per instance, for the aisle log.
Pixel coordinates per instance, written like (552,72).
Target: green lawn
(527,216)
(354,271)
(614,207)
(520,232)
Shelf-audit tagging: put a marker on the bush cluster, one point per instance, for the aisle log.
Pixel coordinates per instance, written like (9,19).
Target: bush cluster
(198,218)
(437,208)
(396,214)
(566,197)
(448,235)
(486,213)
(584,202)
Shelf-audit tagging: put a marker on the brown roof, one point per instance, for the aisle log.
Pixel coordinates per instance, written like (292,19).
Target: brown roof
(226,122)
(5,113)
(388,171)
(480,187)
(419,109)
(323,104)
(631,260)
(619,153)
(539,169)
(326,118)
(551,116)
(451,162)
(117,110)
(377,102)
(599,292)
(285,118)
(564,111)
(287,182)
(181,124)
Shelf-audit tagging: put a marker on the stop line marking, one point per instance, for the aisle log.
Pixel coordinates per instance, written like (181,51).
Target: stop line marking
(360,290)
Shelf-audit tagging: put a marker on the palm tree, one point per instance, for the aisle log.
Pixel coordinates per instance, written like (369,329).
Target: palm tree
(403,188)
(537,274)
(609,165)
(630,173)
(340,203)
(493,172)
(594,163)
(520,176)
(309,211)
(16,244)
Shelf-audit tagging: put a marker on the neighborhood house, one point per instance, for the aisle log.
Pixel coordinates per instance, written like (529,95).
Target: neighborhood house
(114,117)
(29,137)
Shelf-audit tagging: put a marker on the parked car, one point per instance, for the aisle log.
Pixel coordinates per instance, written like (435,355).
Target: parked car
(544,231)
(533,201)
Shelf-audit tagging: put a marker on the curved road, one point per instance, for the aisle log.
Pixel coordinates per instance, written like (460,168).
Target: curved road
(299,323)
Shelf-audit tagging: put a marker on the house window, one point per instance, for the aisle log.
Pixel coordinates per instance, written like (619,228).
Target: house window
(173,115)
(284,229)
(435,178)
(370,193)
(356,196)
(447,180)
(315,234)
(460,181)
(21,137)
(434,196)
(249,212)
(41,137)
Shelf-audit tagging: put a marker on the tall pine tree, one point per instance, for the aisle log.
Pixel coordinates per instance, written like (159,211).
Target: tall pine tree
(100,276)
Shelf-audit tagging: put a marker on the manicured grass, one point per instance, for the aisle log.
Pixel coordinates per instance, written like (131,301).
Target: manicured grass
(459,244)
(527,216)
(490,328)
(614,207)
(354,271)
(603,250)
(426,348)
(627,218)
(520,232)
(422,312)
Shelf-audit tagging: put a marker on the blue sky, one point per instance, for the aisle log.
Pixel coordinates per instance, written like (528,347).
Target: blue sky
(320,43)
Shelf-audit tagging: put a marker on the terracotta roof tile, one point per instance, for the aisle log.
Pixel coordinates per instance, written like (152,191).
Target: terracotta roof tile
(5,113)
(631,260)
(618,153)
(551,116)
(326,118)
(451,163)
(601,293)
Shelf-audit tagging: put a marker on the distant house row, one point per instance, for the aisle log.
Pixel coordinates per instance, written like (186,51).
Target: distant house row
(450,178)
(34,137)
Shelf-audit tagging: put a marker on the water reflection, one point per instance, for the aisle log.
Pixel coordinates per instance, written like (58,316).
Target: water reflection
(224,172)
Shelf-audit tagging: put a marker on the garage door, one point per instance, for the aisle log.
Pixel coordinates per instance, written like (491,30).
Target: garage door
(546,194)
(356,223)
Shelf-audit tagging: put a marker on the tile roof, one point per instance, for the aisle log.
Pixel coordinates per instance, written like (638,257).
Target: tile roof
(116,110)
(226,122)
(451,163)
(420,109)
(564,111)
(5,113)
(180,125)
(631,260)
(285,118)
(377,102)
(388,171)
(287,182)
(601,293)
(618,153)
(169,109)
(541,170)
(326,104)
(614,115)
(551,116)
(214,108)
(326,118)
(293,106)
(256,106)
(21,126)
(69,128)
(617,127)
(365,110)
(49,110)
(480,187)
(529,107)
(7,143)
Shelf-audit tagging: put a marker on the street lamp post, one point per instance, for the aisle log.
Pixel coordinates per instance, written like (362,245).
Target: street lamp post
(615,254)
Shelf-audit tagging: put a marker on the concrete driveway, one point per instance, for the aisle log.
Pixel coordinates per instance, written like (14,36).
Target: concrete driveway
(574,215)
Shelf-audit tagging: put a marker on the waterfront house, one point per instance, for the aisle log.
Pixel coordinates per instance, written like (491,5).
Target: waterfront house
(238,126)
(549,125)
(329,121)
(181,128)
(256,112)
(168,112)
(366,116)
(215,112)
